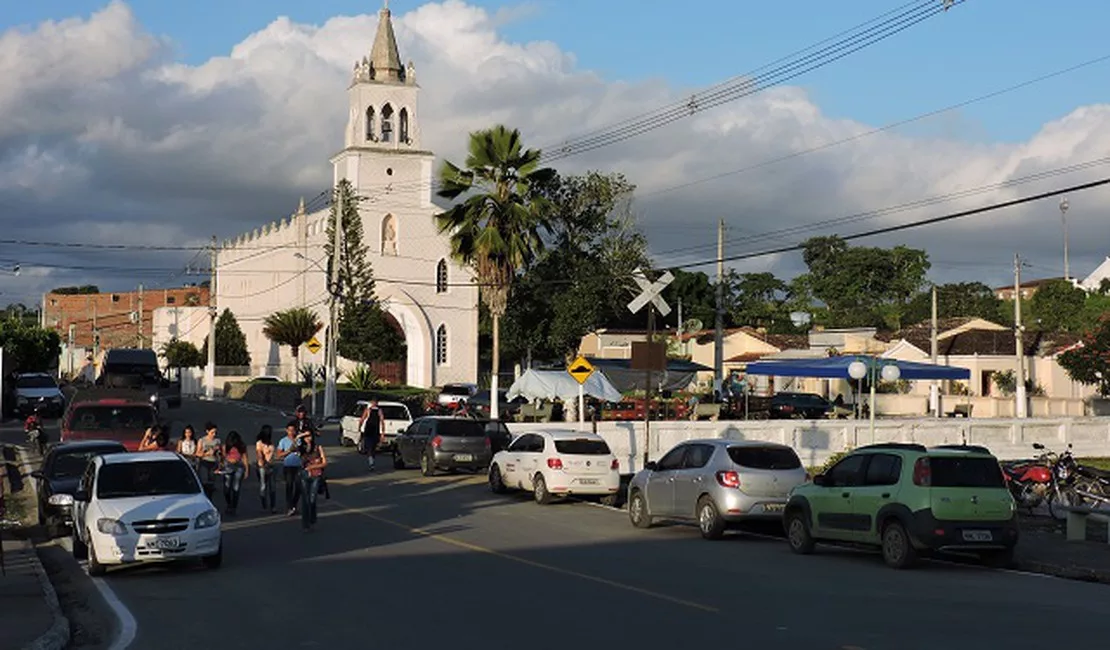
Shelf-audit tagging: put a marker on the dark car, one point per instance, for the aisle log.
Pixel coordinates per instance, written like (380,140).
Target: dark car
(37,391)
(507,408)
(447,443)
(802,406)
(57,480)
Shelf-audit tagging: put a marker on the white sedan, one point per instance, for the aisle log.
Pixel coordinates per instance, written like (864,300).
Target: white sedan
(555,463)
(143,507)
(397,419)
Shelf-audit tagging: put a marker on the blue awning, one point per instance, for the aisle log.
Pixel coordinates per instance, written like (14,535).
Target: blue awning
(837,368)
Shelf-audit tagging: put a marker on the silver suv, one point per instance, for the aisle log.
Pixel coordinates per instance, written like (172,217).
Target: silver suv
(716,483)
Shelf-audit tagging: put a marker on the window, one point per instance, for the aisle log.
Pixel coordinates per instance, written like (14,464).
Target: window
(35,381)
(115,419)
(884,469)
(403,118)
(441,345)
(441,277)
(390,412)
(698,456)
(582,447)
(387,123)
(673,459)
(148,478)
(73,463)
(958,472)
(460,428)
(847,472)
(370,124)
(170,300)
(769,457)
(389,235)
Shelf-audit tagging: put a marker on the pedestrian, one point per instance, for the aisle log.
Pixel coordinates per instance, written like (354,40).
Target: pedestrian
(156,438)
(209,455)
(290,467)
(236,470)
(187,445)
(372,430)
(305,425)
(264,455)
(313,462)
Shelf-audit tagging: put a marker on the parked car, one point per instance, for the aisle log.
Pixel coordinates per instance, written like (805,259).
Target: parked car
(143,507)
(556,463)
(36,390)
(58,478)
(802,406)
(717,483)
(507,408)
(908,501)
(397,419)
(444,443)
(102,414)
(451,394)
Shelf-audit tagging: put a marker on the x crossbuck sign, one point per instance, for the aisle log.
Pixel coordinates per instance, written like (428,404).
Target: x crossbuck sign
(651,292)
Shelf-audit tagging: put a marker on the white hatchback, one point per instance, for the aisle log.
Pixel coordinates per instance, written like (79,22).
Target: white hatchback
(555,463)
(143,507)
(397,419)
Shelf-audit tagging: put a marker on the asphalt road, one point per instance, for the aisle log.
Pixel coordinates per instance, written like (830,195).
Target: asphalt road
(402,561)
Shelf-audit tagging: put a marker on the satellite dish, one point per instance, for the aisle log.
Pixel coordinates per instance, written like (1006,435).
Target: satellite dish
(800,318)
(693,325)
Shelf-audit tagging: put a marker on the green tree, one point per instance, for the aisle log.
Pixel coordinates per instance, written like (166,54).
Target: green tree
(496,228)
(1089,363)
(231,343)
(365,332)
(762,300)
(182,354)
(292,327)
(1057,306)
(28,348)
(76,290)
(971,299)
(698,294)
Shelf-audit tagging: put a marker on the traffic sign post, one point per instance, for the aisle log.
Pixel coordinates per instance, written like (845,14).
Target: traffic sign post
(313,345)
(651,296)
(581,370)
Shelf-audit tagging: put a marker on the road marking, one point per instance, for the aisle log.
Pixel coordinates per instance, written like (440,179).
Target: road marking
(127,625)
(475,548)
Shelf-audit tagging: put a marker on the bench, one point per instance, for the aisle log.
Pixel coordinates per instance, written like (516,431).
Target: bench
(1077,521)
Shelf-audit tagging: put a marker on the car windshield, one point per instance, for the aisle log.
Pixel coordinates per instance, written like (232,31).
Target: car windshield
(394,412)
(764,457)
(145,478)
(582,447)
(461,429)
(71,464)
(111,418)
(454,389)
(40,381)
(965,472)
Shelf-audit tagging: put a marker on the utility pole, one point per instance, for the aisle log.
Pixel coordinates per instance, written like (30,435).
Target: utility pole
(719,325)
(681,330)
(1019,344)
(139,314)
(333,320)
(934,387)
(210,368)
(647,385)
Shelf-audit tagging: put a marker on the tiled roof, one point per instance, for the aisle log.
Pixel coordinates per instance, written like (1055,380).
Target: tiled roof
(993,343)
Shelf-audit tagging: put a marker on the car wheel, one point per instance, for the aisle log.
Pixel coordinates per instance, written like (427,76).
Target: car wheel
(898,550)
(798,535)
(95,567)
(427,465)
(214,561)
(398,460)
(638,511)
(710,522)
(80,551)
(496,483)
(539,491)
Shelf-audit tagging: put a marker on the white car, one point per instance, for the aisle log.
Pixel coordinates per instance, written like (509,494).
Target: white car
(143,507)
(555,463)
(397,419)
(450,395)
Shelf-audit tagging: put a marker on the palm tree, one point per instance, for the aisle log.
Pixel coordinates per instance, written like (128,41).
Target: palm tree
(292,327)
(496,229)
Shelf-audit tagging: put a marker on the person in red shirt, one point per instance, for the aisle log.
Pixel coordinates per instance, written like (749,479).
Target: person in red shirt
(34,424)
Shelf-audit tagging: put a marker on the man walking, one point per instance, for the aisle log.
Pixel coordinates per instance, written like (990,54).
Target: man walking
(290,467)
(372,428)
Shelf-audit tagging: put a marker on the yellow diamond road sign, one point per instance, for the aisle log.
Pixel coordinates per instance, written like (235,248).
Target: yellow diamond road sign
(313,345)
(580,370)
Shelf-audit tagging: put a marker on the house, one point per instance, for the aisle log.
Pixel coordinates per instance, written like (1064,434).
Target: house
(1027,289)
(1093,282)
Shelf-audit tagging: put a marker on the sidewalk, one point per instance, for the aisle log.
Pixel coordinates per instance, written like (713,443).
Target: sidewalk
(1043,548)
(30,616)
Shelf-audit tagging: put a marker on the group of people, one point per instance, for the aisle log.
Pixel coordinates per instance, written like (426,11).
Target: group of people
(299,455)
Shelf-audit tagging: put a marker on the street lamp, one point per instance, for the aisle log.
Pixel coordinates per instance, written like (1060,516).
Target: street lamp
(873,370)
(1064,220)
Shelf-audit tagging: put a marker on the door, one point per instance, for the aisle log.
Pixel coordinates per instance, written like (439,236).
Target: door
(350,422)
(660,482)
(689,481)
(880,487)
(415,440)
(514,456)
(79,507)
(833,507)
(528,460)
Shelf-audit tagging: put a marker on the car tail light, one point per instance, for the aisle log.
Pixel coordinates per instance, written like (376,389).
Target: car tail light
(489,443)
(555,463)
(615,465)
(922,473)
(436,442)
(729,479)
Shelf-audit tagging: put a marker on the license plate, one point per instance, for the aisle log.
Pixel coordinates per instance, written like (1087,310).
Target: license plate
(978,536)
(165,543)
(588,481)
(464,458)
(773,507)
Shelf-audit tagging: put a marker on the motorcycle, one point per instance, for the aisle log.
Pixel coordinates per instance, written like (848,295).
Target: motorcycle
(1047,479)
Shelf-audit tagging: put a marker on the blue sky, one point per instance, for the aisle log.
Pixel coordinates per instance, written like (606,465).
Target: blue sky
(979,46)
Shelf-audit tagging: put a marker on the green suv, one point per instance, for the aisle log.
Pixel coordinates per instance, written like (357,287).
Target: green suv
(908,500)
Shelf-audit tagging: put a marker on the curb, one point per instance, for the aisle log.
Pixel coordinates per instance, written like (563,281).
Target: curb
(57,636)
(1066,572)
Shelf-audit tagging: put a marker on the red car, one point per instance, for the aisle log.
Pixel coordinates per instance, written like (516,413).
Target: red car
(108,415)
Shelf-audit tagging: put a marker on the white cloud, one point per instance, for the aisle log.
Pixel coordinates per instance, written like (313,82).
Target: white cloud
(107,139)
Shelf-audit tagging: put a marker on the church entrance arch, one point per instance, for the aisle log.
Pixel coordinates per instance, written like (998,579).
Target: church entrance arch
(413,324)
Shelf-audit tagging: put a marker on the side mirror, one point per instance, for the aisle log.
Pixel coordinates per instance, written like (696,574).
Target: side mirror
(821,480)
(1038,446)
(37,474)
(651,465)
(81,495)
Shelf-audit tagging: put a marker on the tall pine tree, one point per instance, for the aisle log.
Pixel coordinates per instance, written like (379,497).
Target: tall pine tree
(365,332)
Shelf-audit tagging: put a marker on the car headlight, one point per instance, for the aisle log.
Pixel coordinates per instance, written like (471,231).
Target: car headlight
(154,399)
(207,519)
(111,526)
(60,500)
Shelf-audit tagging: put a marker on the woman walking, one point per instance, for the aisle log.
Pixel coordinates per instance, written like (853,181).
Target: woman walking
(313,463)
(187,445)
(267,470)
(156,438)
(209,455)
(236,469)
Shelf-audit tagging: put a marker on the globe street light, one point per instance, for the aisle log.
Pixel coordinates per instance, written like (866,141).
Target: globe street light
(1064,220)
(873,370)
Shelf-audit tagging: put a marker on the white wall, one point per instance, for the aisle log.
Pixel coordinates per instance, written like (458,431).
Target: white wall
(183,323)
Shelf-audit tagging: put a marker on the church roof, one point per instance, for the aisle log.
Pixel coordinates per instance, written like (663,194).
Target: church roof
(384,56)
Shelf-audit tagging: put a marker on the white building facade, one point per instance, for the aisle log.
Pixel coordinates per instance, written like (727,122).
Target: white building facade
(281,265)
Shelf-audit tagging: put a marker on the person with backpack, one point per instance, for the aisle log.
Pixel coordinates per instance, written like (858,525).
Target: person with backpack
(372,430)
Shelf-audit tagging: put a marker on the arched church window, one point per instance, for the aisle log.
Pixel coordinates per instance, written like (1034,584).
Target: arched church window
(441,345)
(387,123)
(441,277)
(370,137)
(403,119)
(389,235)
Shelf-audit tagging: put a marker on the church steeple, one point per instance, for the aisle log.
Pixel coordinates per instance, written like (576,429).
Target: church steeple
(384,57)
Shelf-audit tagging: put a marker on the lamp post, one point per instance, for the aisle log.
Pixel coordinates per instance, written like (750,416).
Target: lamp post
(1064,205)
(873,369)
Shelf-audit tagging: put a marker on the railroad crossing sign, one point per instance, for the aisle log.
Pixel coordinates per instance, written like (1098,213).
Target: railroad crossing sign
(313,345)
(580,369)
(651,292)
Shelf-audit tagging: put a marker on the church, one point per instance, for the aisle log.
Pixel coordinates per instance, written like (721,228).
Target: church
(431,299)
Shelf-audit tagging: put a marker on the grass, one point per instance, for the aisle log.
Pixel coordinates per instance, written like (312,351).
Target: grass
(1098,463)
(20,505)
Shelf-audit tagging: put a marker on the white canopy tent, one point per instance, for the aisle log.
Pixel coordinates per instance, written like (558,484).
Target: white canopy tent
(551,384)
